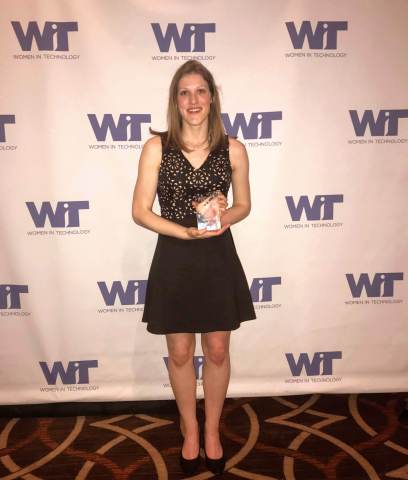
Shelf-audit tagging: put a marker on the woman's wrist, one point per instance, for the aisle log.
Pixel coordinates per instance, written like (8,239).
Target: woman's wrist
(184,235)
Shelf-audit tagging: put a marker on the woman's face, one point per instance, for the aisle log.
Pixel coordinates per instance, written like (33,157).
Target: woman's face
(193,99)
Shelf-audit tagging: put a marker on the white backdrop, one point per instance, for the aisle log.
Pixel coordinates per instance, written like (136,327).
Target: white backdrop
(316,91)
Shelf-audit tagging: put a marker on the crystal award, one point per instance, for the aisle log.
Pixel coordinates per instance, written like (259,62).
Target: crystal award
(208,212)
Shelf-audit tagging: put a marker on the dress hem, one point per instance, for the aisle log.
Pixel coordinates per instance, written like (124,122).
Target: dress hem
(162,332)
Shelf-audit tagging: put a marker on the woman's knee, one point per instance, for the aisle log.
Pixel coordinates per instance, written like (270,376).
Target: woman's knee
(216,352)
(181,352)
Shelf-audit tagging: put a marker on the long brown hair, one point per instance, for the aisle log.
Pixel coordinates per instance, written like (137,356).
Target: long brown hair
(216,132)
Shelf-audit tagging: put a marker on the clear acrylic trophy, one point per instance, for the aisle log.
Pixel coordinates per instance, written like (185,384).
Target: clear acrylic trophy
(208,212)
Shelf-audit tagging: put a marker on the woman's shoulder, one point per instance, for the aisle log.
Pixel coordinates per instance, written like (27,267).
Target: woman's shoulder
(237,153)
(152,152)
(153,145)
(235,146)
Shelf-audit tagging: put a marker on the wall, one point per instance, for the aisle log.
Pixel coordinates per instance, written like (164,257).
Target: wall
(315,90)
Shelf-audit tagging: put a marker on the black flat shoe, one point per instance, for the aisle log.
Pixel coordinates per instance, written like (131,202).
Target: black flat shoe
(215,465)
(189,467)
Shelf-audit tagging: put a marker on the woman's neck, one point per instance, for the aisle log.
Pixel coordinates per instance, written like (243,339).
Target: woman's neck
(195,135)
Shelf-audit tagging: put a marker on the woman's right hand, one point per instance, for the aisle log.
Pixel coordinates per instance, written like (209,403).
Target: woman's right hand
(193,233)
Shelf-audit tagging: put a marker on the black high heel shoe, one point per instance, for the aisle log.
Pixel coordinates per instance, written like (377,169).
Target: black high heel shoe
(189,467)
(215,465)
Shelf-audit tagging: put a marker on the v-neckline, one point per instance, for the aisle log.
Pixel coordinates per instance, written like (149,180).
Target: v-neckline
(192,166)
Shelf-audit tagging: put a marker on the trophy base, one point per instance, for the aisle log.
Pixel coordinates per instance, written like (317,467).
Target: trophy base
(210,226)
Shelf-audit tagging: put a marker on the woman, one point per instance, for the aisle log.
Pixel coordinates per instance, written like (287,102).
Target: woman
(196,283)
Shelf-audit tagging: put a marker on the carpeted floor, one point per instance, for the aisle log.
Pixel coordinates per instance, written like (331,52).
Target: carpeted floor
(313,437)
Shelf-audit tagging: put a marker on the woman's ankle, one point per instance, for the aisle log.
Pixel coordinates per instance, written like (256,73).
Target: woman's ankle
(188,427)
(212,430)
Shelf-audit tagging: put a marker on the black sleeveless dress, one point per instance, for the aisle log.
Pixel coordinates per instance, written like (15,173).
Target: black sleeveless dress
(194,286)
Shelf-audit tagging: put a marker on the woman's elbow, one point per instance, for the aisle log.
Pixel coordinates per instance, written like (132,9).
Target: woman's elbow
(137,215)
(242,209)
(247,209)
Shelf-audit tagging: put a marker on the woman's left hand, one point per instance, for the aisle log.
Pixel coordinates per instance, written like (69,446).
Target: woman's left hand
(222,203)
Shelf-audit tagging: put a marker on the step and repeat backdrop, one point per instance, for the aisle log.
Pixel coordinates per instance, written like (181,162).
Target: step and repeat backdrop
(317,91)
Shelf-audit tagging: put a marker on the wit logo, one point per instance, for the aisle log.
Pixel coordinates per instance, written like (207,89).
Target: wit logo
(191,39)
(77,372)
(258,126)
(127,296)
(322,207)
(323,37)
(321,363)
(10,296)
(386,123)
(5,119)
(382,284)
(65,215)
(198,362)
(54,36)
(261,288)
(127,128)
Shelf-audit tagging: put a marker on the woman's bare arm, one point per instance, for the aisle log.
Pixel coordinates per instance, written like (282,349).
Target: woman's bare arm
(145,192)
(241,205)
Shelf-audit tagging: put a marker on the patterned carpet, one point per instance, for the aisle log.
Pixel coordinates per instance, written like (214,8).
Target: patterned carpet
(313,437)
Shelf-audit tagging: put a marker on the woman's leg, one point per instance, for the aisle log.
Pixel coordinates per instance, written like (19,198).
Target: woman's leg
(181,347)
(216,375)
